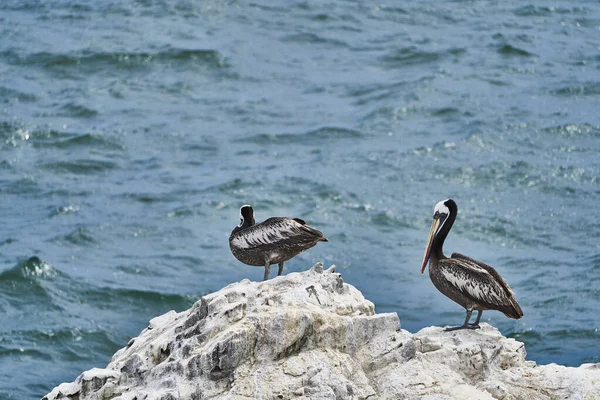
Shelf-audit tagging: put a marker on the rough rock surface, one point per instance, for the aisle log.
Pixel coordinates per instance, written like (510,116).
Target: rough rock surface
(311,336)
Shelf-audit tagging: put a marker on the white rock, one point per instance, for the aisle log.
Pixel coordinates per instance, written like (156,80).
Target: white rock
(310,336)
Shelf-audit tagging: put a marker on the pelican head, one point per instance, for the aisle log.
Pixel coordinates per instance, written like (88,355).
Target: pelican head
(441,211)
(246,215)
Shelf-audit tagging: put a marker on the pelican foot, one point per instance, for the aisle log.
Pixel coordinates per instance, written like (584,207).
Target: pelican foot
(466,324)
(456,328)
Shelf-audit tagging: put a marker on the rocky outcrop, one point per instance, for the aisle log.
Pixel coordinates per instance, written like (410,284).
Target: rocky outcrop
(311,336)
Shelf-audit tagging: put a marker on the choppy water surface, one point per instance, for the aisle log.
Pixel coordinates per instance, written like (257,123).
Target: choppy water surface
(130,135)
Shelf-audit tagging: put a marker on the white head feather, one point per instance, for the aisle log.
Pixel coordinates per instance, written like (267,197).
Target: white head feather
(442,208)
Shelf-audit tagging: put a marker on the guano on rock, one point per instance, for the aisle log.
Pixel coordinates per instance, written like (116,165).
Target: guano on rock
(311,336)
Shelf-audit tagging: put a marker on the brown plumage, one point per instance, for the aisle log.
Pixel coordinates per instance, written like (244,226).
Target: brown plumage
(470,283)
(272,241)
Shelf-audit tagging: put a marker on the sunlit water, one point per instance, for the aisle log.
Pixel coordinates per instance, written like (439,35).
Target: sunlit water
(130,135)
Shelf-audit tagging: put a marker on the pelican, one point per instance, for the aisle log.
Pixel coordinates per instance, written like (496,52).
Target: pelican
(471,283)
(272,241)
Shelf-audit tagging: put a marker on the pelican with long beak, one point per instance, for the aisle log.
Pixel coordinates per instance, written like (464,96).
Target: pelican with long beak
(471,283)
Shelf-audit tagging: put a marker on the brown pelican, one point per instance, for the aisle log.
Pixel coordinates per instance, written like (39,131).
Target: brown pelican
(471,283)
(273,241)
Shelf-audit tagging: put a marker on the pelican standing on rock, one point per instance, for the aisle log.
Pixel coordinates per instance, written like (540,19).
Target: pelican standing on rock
(272,241)
(471,283)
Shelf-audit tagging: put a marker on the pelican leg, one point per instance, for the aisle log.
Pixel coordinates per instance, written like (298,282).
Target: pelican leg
(267,269)
(463,326)
(476,324)
(280,268)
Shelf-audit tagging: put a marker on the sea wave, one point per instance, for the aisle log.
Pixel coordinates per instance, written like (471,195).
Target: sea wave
(313,137)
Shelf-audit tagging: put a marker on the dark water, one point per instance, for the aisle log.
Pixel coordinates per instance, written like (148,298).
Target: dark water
(130,135)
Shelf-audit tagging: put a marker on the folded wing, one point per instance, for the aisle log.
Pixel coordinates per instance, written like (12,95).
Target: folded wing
(481,283)
(280,232)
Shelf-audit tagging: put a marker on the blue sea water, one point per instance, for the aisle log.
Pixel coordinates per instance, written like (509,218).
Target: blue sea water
(132,132)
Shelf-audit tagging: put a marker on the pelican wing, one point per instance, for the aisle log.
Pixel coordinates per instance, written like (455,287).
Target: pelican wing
(489,269)
(480,282)
(276,231)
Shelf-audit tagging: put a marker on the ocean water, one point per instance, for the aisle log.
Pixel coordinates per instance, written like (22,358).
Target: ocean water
(132,132)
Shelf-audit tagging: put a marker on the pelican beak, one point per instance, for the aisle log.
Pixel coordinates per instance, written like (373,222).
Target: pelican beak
(432,232)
